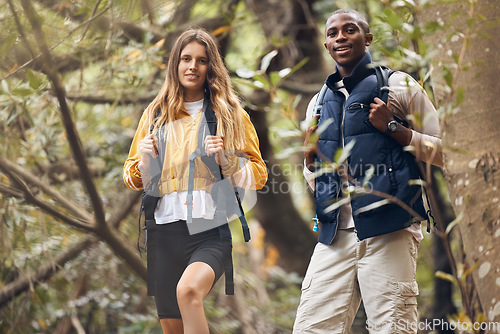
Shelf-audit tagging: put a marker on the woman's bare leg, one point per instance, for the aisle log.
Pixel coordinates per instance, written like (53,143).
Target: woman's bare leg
(194,285)
(172,326)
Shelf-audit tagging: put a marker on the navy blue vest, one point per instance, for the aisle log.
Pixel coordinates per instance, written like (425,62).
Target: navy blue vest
(393,167)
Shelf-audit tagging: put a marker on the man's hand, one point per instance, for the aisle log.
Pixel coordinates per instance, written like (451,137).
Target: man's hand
(310,153)
(214,145)
(380,114)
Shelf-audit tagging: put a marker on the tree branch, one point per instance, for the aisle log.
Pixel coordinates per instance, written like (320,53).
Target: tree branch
(72,135)
(11,167)
(50,209)
(101,99)
(20,29)
(123,209)
(13,289)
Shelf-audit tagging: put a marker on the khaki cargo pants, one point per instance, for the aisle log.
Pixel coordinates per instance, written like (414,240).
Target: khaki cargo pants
(379,270)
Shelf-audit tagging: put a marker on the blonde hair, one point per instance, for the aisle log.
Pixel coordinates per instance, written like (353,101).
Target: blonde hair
(224,101)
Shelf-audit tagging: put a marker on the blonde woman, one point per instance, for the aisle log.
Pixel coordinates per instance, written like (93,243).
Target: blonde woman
(184,265)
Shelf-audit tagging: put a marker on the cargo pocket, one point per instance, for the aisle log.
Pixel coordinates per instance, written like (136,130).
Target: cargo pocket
(303,316)
(406,308)
(408,292)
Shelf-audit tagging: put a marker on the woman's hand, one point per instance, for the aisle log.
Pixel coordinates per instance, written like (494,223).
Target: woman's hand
(214,146)
(148,148)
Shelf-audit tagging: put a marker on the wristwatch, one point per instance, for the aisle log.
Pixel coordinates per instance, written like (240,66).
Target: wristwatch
(392,126)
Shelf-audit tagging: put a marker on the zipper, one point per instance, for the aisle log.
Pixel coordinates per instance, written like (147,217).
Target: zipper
(342,125)
(357,105)
(343,145)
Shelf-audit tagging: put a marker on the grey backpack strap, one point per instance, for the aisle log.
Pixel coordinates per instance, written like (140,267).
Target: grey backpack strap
(319,101)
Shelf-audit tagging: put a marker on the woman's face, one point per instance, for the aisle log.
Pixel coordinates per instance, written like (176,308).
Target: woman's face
(193,67)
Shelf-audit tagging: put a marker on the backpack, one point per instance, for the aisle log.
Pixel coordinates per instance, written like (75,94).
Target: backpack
(383,73)
(222,193)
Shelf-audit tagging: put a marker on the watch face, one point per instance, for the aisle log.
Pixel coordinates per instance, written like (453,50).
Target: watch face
(393,126)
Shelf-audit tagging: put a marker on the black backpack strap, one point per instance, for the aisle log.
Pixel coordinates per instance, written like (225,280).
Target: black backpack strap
(208,126)
(149,201)
(383,74)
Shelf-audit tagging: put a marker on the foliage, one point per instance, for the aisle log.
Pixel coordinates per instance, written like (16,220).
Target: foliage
(110,56)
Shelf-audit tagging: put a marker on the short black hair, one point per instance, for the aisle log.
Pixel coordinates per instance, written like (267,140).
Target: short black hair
(359,17)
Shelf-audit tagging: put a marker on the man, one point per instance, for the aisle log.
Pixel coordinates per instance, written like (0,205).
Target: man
(367,248)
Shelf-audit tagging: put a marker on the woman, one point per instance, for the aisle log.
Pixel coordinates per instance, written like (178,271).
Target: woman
(187,265)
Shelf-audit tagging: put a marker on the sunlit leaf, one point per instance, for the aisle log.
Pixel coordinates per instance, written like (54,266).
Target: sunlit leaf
(221,30)
(454,222)
(368,175)
(324,125)
(266,60)
(372,206)
(244,73)
(337,204)
(160,43)
(343,153)
(445,276)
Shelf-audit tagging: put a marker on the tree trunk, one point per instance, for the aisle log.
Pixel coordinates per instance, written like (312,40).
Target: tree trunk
(472,140)
(275,209)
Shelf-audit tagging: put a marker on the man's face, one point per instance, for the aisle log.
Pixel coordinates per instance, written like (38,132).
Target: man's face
(346,41)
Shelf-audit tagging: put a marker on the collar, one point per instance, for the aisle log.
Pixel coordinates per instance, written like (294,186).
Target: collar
(360,71)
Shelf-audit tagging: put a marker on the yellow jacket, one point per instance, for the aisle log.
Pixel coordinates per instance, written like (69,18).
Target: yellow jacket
(249,175)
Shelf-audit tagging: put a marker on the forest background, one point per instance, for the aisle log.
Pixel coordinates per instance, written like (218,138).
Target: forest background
(75,78)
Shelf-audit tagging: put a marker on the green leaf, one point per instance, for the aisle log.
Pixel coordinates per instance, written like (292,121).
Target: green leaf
(274,78)
(417,182)
(460,96)
(372,206)
(393,19)
(448,77)
(469,271)
(342,153)
(431,27)
(22,91)
(33,80)
(454,222)
(446,277)
(368,175)
(262,79)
